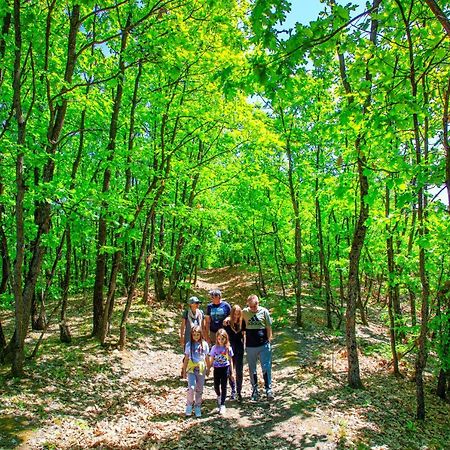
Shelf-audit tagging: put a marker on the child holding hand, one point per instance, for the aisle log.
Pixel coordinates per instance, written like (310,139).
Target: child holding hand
(195,367)
(221,357)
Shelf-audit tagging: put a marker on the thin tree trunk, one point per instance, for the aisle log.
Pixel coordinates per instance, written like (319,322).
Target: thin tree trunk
(354,379)
(20,305)
(339,308)
(323,264)
(277,259)
(411,293)
(159,272)
(176,272)
(421,216)
(149,259)
(392,285)
(131,288)
(42,212)
(64,331)
(445,141)
(134,278)
(3,246)
(297,226)
(261,281)
(2,342)
(100,268)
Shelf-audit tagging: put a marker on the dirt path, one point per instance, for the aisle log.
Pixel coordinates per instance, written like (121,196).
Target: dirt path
(81,396)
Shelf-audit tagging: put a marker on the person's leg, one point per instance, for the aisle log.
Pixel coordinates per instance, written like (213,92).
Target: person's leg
(252,358)
(190,388)
(239,368)
(190,393)
(232,381)
(266,366)
(200,381)
(223,385)
(212,337)
(217,381)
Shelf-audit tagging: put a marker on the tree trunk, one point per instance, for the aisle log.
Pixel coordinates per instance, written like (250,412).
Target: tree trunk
(297,231)
(43,209)
(3,250)
(421,216)
(100,267)
(134,278)
(323,264)
(64,331)
(445,141)
(354,379)
(177,272)
(17,347)
(38,315)
(2,342)
(149,259)
(277,259)
(393,291)
(159,272)
(359,234)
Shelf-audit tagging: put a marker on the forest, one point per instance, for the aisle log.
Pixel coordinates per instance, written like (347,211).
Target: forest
(145,143)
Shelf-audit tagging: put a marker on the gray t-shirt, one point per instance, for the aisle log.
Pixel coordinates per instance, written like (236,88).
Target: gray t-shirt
(191,321)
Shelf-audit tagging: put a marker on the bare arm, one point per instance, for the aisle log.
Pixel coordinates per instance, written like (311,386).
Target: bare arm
(269,327)
(182,330)
(185,363)
(208,364)
(206,328)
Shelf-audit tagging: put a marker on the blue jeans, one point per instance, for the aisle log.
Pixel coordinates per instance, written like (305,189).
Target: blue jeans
(264,354)
(196,382)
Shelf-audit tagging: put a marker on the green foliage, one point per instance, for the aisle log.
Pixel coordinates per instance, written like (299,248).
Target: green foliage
(6,301)
(228,133)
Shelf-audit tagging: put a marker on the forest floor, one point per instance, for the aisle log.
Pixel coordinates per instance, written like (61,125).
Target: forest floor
(81,396)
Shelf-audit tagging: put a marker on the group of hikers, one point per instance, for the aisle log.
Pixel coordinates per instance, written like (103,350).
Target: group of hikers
(217,339)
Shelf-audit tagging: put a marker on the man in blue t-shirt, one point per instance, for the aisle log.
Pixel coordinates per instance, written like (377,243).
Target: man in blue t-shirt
(216,312)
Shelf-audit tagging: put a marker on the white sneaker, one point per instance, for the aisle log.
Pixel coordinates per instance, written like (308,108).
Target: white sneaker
(222,409)
(188,410)
(218,404)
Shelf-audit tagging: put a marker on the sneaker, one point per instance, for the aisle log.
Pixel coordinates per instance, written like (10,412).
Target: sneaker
(233,396)
(198,411)
(269,394)
(188,410)
(255,394)
(222,409)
